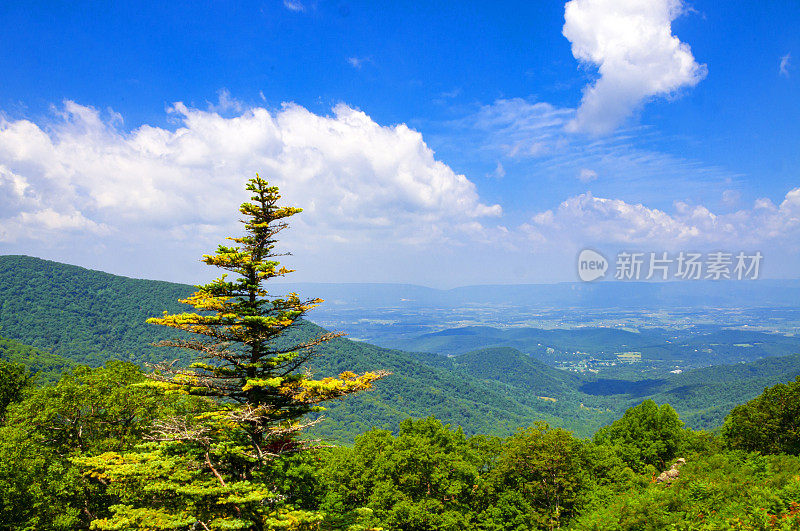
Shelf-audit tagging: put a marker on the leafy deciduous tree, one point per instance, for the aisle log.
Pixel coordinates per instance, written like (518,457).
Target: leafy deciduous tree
(89,411)
(535,482)
(424,478)
(770,423)
(646,434)
(14,379)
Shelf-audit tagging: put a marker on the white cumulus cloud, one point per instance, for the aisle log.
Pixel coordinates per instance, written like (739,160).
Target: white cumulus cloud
(356,179)
(637,57)
(585,219)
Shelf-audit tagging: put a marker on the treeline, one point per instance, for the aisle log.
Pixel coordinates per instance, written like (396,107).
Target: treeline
(423,476)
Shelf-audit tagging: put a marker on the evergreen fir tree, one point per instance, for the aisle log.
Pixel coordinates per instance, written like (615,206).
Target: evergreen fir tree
(210,468)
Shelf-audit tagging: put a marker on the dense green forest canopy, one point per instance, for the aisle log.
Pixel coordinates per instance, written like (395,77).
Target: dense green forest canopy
(83,315)
(422,475)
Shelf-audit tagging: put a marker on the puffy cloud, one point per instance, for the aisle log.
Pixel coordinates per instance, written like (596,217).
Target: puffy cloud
(26,216)
(585,219)
(599,219)
(357,180)
(631,43)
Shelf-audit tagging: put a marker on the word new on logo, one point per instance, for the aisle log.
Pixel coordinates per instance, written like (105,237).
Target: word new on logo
(591,265)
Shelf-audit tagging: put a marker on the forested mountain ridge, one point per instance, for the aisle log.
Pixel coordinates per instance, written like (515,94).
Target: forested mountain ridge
(478,404)
(722,387)
(512,367)
(84,316)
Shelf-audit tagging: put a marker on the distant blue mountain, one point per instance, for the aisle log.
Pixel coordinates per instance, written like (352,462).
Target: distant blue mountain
(618,295)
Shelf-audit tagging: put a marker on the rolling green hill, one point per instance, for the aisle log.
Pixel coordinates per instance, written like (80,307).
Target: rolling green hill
(511,367)
(706,395)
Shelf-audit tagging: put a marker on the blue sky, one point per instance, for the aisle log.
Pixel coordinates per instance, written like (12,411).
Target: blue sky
(437,143)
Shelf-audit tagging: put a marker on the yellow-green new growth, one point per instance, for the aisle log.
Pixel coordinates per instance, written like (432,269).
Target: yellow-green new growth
(240,321)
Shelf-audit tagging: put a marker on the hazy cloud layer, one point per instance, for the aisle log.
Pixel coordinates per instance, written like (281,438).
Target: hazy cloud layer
(530,137)
(637,57)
